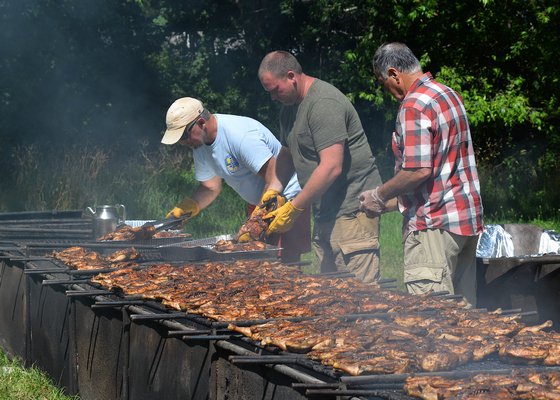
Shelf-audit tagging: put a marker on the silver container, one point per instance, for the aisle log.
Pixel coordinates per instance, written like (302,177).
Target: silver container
(106,218)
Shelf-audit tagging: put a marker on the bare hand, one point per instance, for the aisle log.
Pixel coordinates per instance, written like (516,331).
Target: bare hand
(371,203)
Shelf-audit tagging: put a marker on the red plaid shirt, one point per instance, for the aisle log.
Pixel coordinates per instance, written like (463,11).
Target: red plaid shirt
(432,130)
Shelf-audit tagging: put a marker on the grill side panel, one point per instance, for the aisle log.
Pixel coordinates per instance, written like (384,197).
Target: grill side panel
(101,347)
(13,310)
(167,368)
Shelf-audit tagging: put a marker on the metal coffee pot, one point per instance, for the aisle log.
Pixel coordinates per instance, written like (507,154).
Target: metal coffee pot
(106,218)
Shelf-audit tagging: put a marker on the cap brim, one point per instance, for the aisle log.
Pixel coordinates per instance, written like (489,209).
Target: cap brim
(172,136)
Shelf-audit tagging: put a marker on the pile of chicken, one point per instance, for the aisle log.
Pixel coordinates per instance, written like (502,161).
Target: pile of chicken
(228,246)
(517,385)
(411,343)
(128,233)
(82,259)
(355,327)
(249,237)
(396,342)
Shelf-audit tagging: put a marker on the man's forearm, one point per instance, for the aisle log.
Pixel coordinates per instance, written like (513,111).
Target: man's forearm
(406,180)
(318,183)
(206,193)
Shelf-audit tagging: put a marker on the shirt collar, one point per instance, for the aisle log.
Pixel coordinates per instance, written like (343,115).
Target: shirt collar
(420,81)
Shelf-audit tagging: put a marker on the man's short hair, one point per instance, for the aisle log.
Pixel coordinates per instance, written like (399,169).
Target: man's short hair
(394,55)
(279,63)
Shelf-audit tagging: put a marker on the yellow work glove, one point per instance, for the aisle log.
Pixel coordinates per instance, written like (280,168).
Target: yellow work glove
(284,218)
(270,201)
(186,206)
(244,238)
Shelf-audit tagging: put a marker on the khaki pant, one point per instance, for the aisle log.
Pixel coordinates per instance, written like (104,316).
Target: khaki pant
(437,260)
(349,243)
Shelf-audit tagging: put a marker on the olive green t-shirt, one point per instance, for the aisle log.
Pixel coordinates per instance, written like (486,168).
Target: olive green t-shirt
(323,118)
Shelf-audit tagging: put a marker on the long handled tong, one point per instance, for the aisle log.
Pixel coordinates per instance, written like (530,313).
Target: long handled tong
(168,223)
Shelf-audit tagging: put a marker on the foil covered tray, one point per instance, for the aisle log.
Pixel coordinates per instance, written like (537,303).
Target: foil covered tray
(203,249)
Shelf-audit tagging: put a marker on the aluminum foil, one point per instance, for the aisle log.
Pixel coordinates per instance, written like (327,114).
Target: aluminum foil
(550,243)
(494,242)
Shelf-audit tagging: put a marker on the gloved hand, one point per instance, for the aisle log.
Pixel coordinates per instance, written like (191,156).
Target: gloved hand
(270,201)
(371,203)
(284,218)
(244,238)
(186,206)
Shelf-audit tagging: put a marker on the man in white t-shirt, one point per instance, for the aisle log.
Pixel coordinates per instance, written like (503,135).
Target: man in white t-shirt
(239,150)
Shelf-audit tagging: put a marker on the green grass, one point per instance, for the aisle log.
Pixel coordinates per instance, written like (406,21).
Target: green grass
(391,263)
(18,383)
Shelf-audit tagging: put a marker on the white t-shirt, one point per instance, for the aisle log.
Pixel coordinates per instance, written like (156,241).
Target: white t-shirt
(242,146)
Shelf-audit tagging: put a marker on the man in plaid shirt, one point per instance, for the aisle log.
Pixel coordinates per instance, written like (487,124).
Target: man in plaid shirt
(436,185)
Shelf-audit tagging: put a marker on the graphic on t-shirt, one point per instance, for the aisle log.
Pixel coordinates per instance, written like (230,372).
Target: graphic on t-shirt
(232,164)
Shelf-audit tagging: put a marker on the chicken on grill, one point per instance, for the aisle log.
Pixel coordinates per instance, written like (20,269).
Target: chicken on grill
(82,259)
(528,385)
(128,233)
(533,346)
(407,336)
(228,246)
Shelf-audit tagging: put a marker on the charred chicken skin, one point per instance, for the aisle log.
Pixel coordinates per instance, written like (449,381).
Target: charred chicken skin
(139,233)
(255,227)
(404,339)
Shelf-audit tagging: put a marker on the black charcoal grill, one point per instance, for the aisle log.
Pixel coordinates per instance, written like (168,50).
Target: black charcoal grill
(13,307)
(50,225)
(103,345)
(238,367)
(149,343)
(526,280)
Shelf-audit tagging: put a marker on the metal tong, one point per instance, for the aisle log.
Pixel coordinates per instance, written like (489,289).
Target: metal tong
(168,223)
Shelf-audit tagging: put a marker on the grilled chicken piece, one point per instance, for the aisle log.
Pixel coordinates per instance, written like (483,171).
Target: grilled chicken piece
(490,324)
(255,227)
(170,234)
(438,361)
(518,385)
(486,347)
(227,246)
(124,255)
(429,388)
(533,347)
(81,259)
(373,365)
(536,328)
(130,233)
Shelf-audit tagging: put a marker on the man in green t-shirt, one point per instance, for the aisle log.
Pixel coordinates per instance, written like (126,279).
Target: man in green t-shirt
(324,142)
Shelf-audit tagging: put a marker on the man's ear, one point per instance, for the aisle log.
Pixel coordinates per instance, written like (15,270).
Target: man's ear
(393,73)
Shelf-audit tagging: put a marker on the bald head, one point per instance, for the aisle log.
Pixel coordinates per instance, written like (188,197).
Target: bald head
(279,63)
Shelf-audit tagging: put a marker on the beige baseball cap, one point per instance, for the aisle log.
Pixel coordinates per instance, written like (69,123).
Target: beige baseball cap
(181,113)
